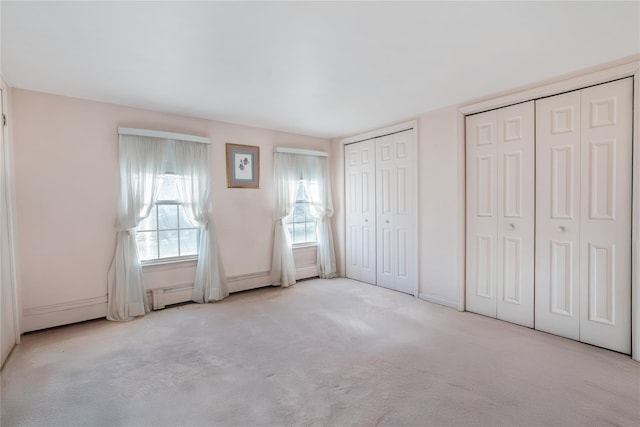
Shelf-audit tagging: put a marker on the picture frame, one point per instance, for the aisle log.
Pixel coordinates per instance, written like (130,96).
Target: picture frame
(243,166)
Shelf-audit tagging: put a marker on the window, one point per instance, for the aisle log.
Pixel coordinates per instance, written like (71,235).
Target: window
(166,232)
(302,224)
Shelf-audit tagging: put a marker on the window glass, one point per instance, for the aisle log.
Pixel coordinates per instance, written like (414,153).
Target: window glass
(301,223)
(147,245)
(189,242)
(169,245)
(167,217)
(166,232)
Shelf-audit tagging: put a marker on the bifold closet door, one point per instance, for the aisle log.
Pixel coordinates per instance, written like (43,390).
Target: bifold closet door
(583,215)
(396,208)
(360,177)
(500,213)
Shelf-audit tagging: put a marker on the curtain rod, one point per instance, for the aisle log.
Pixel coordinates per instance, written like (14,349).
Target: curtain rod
(161,134)
(301,151)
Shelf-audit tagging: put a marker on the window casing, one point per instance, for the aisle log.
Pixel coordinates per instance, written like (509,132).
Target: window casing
(302,225)
(167,234)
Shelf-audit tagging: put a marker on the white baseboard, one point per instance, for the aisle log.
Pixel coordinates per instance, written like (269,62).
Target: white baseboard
(438,300)
(307,272)
(244,282)
(48,316)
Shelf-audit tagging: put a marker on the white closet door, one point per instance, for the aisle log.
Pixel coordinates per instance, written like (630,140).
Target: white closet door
(396,201)
(605,227)
(515,232)
(583,215)
(557,260)
(500,213)
(360,219)
(482,213)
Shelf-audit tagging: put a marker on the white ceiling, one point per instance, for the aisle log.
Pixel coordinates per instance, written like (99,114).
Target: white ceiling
(323,69)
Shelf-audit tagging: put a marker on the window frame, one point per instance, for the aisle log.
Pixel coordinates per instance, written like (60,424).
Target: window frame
(173,259)
(290,223)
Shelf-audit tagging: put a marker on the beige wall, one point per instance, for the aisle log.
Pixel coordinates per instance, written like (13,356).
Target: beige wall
(66,175)
(439,208)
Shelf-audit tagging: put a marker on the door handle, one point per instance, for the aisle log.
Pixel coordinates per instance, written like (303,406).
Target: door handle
(561,229)
(366,220)
(387,221)
(512,227)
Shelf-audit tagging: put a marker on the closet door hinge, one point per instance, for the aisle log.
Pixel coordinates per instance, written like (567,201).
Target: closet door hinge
(4,120)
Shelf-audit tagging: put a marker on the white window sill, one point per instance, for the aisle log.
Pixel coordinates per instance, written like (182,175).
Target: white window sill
(304,245)
(165,263)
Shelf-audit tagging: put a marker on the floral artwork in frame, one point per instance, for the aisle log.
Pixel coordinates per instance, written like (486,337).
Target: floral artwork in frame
(243,166)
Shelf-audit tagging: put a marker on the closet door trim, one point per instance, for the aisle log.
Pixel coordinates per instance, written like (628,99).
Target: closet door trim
(400,127)
(626,67)
(341,218)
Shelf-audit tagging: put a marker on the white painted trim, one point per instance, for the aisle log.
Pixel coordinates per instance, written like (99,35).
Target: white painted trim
(440,301)
(300,151)
(161,297)
(626,67)
(7,134)
(244,282)
(462,217)
(635,222)
(412,124)
(71,305)
(162,134)
(48,316)
(176,264)
(400,127)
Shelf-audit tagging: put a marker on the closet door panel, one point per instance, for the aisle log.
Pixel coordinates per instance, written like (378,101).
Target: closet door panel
(605,251)
(385,201)
(515,222)
(557,261)
(360,218)
(482,213)
(405,203)
(396,200)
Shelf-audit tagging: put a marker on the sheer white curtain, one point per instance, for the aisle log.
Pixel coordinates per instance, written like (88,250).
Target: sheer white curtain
(141,168)
(289,169)
(194,189)
(322,208)
(286,177)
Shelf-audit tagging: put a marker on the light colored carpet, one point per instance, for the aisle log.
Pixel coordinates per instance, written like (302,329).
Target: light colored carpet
(323,352)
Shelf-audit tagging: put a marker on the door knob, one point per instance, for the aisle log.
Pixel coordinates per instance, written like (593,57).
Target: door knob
(512,227)
(387,221)
(366,220)
(561,229)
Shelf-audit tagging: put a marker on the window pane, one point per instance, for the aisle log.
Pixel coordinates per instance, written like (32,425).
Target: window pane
(188,242)
(167,217)
(311,232)
(184,221)
(150,222)
(147,245)
(168,244)
(298,233)
(298,213)
(168,188)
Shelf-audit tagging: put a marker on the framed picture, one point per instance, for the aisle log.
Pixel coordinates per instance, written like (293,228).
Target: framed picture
(243,166)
